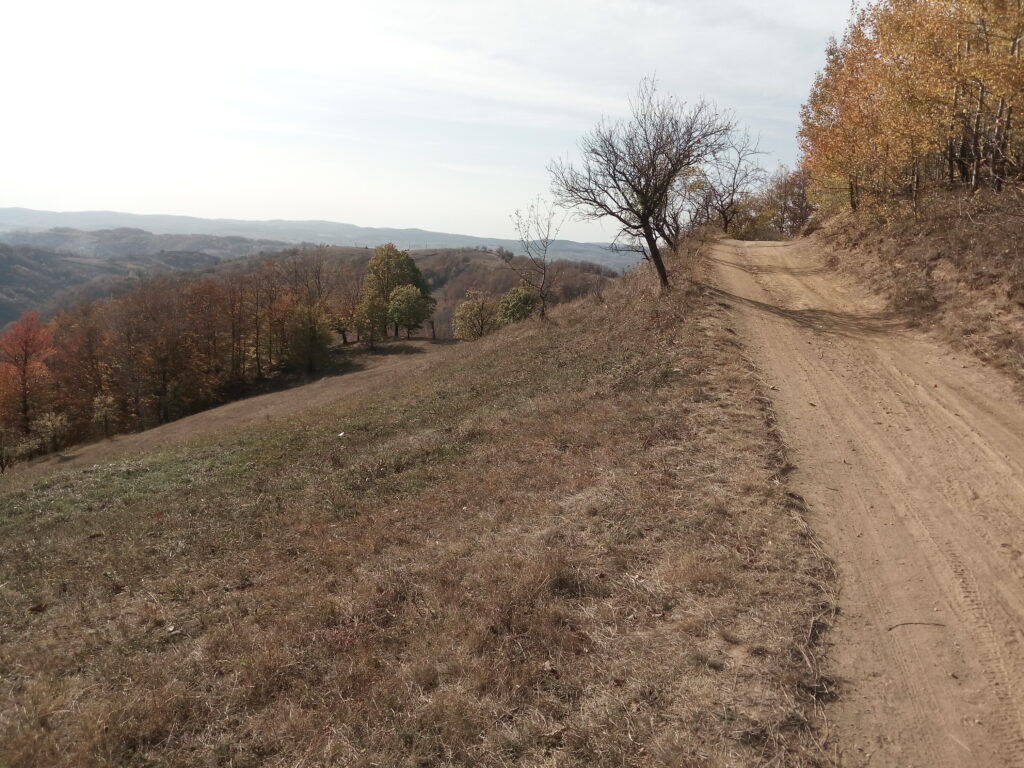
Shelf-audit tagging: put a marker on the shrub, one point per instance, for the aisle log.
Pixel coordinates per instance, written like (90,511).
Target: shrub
(518,304)
(476,316)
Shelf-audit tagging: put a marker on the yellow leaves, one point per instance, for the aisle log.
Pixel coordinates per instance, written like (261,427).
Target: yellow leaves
(908,78)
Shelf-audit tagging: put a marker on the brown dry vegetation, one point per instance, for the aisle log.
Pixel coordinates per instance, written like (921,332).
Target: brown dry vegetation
(570,543)
(957,267)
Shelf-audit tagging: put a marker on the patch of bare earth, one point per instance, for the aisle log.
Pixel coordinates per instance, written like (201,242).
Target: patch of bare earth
(569,544)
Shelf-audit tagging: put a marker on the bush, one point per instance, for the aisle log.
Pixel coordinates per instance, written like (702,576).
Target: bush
(51,429)
(518,304)
(476,316)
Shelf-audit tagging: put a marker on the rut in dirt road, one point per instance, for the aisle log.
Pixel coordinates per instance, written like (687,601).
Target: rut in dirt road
(911,457)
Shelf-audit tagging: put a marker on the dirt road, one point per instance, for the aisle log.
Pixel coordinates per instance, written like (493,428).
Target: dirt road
(911,457)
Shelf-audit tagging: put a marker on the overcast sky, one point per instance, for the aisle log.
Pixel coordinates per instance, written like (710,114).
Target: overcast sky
(439,114)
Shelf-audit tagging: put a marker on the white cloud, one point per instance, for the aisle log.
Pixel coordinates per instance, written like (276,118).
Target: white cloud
(440,115)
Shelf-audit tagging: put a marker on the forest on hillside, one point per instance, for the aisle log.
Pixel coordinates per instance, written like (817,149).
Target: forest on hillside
(36,277)
(165,346)
(917,95)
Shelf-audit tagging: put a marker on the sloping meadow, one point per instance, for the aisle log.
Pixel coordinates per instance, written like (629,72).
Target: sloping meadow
(569,544)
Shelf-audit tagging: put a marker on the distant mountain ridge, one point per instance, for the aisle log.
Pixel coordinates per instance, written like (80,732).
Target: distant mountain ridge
(128,242)
(278,231)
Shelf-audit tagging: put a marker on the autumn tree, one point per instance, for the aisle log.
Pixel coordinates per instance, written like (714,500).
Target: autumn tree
(388,269)
(25,348)
(787,201)
(733,177)
(408,308)
(371,317)
(347,299)
(81,361)
(8,454)
(917,93)
(8,409)
(51,428)
(311,282)
(104,411)
(166,359)
(518,304)
(476,316)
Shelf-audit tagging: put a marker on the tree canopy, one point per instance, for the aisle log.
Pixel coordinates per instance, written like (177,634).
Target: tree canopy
(917,92)
(631,170)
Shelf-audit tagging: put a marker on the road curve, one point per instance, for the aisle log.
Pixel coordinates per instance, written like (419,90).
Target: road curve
(911,457)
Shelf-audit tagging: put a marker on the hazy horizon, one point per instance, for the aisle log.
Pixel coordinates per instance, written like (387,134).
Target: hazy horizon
(439,117)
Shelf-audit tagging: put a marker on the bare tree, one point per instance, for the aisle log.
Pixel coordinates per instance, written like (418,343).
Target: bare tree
(786,198)
(538,228)
(733,176)
(312,280)
(689,207)
(6,451)
(630,170)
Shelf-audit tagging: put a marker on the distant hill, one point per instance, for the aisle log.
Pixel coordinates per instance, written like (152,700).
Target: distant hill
(49,280)
(327,232)
(128,242)
(34,277)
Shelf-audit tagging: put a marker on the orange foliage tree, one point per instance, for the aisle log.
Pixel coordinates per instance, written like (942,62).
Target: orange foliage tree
(918,92)
(24,350)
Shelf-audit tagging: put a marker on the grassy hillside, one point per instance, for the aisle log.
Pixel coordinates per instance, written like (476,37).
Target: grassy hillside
(570,543)
(957,267)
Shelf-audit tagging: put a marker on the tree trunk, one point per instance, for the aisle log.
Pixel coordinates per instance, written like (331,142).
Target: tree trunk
(976,145)
(950,143)
(915,183)
(655,255)
(26,425)
(999,166)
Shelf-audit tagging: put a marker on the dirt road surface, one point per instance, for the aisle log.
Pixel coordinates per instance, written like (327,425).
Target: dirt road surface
(911,457)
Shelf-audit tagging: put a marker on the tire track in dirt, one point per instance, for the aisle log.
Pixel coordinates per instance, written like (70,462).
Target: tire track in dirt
(911,457)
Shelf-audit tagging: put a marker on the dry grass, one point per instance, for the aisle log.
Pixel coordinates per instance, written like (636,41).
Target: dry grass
(958,267)
(570,545)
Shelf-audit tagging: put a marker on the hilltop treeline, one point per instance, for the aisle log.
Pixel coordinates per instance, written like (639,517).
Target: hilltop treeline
(171,345)
(918,94)
(450,274)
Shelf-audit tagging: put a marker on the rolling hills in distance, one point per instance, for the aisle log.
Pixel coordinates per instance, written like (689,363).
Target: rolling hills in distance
(51,260)
(23,226)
